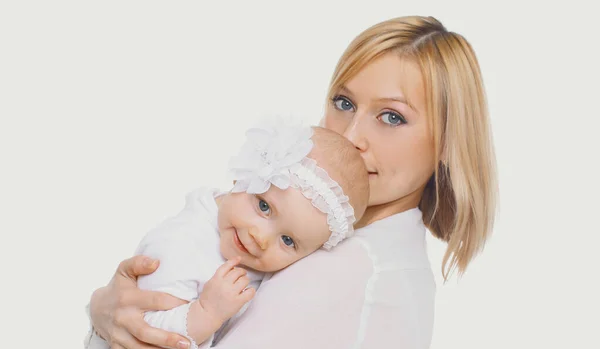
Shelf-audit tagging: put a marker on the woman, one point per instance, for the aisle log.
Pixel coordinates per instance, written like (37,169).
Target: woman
(409,95)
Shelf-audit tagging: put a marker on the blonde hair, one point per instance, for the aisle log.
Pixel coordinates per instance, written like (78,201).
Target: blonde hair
(343,163)
(459,201)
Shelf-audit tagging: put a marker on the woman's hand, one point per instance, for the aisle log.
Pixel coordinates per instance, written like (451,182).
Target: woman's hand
(117,310)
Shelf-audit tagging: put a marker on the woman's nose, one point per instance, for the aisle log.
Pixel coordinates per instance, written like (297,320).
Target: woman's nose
(355,132)
(261,239)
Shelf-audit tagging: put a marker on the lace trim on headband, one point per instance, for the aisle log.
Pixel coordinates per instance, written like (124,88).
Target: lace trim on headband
(327,196)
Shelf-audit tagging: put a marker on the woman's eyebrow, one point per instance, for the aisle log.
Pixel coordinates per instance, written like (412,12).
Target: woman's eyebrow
(400,99)
(346,91)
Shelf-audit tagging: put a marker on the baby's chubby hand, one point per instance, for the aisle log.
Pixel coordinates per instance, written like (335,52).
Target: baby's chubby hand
(226,292)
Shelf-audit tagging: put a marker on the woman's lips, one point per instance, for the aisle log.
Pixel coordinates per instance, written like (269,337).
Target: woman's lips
(238,242)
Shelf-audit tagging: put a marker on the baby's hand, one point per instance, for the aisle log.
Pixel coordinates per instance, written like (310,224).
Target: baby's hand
(225,293)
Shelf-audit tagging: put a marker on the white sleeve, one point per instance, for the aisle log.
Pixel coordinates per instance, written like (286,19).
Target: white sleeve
(175,245)
(338,299)
(175,320)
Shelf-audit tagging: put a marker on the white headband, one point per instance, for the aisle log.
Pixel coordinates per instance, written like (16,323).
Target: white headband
(276,154)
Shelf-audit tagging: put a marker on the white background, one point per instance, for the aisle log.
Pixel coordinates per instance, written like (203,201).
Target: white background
(112,110)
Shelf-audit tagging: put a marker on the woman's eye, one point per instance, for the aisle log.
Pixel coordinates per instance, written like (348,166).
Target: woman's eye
(343,104)
(288,241)
(392,119)
(263,206)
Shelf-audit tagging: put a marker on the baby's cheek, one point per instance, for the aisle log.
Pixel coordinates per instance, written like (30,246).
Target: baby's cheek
(222,220)
(242,209)
(325,237)
(226,248)
(274,260)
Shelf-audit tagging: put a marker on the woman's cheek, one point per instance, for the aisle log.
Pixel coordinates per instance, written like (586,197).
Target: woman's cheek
(334,122)
(322,122)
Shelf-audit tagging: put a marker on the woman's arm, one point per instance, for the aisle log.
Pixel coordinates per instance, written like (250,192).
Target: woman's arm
(117,310)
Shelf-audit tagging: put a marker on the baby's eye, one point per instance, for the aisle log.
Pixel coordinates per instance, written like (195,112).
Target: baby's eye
(288,241)
(264,206)
(342,103)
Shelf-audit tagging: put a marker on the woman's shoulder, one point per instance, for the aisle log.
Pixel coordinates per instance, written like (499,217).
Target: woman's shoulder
(396,242)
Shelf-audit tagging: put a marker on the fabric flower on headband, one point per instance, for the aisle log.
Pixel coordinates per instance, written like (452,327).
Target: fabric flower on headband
(267,156)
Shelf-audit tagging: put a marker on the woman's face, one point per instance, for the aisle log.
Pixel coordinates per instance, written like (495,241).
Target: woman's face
(382,111)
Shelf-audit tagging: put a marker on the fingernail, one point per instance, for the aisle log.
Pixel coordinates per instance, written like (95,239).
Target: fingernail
(148,263)
(183,345)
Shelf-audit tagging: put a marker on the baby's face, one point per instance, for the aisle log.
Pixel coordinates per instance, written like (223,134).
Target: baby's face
(272,230)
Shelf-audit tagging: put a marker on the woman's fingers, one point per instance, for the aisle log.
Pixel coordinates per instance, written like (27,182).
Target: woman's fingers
(127,341)
(117,309)
(136,266)
(131,343)
(153,337)
(131,331)
(100,310)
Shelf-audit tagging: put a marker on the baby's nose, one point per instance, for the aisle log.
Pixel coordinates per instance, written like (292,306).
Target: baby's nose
(261,239)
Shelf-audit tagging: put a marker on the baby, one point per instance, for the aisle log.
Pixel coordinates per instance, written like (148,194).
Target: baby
(296,190)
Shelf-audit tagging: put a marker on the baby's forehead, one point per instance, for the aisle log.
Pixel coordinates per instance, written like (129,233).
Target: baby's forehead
(299,215)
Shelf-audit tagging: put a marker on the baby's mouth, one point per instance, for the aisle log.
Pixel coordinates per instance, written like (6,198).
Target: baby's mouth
(238,242)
